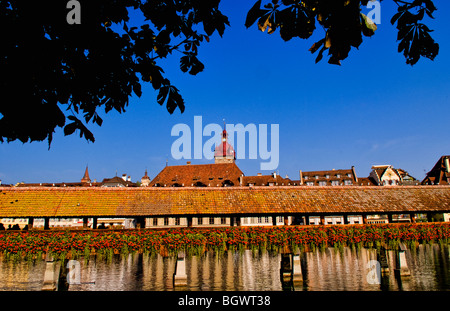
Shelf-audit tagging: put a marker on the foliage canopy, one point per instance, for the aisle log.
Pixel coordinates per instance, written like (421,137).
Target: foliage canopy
(54,74)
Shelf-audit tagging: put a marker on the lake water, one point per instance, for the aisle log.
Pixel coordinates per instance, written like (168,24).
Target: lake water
(329,269)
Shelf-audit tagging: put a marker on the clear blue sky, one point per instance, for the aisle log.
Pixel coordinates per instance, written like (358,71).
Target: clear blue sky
(374,109)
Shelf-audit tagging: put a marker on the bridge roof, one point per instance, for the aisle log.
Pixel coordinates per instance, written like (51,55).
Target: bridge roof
(155,201)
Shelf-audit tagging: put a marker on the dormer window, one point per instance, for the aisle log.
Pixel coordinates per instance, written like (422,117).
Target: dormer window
(316,177)
(306,177)
(338,175)
(327,176)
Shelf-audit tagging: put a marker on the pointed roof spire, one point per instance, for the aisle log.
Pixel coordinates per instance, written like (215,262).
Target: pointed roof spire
(86,178)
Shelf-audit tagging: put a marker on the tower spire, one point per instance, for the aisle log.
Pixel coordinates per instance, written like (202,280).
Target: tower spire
(86,178)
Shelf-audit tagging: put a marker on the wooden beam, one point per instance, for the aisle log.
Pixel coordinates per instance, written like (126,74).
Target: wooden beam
(345,219)
(46,223)
(30,223)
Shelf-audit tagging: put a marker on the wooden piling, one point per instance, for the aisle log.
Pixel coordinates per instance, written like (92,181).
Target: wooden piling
(51,274)
(401,265)
(180,276)
(286,267)
(297,275)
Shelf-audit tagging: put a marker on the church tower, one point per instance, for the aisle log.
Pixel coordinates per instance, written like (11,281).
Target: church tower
(224,152)
(86,178)
(145,180)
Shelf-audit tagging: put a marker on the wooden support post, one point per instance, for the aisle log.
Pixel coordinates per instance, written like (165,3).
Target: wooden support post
(382,259)
(180,276)
(345,219)
(46,223)
(307,220)
(94,223)
(412,216)
(51,274)
(232,221)
(189,221)
(85,222)
(322,219)
(297,275)
(30,223)
(286,267)
(364,218)
(390,218)
(140,222)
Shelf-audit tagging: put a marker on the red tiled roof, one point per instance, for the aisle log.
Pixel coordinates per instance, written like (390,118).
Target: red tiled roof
(130,202)
(340,175)
(265,180)
(204,174)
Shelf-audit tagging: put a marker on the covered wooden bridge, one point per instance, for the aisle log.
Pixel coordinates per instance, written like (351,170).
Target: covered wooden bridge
(232,202)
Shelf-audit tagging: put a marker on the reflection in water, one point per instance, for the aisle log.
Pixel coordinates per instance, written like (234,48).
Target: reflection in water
(322,270)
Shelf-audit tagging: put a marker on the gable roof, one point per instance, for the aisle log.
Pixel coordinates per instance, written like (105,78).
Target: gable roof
(116,180)
(329,176)
(139,201)
(209,175)
(266,180)
(439,174)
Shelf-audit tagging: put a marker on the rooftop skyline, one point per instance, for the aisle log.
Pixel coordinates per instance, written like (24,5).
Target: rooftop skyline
(373,109)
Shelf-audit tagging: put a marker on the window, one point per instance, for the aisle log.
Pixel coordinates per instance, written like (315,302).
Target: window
(223,220)
(316,177)
(155,221)
(322,183)
(327,176)
(200,221)
(348,182)
(211,220)
(266,219)
(349,175)
(166,221)
(306,177)
(310,183)
(280,218)
(335,183)
(259,219)
(177,221)
(338,175)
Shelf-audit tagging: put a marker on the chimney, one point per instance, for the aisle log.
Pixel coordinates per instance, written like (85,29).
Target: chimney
(354,174)
(124,177)
(259,174)
(188,162)
(129,178)
(301,178)
(447,165)
(274,174)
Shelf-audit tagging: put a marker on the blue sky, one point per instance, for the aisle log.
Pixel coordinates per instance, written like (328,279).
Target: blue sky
(374,109)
